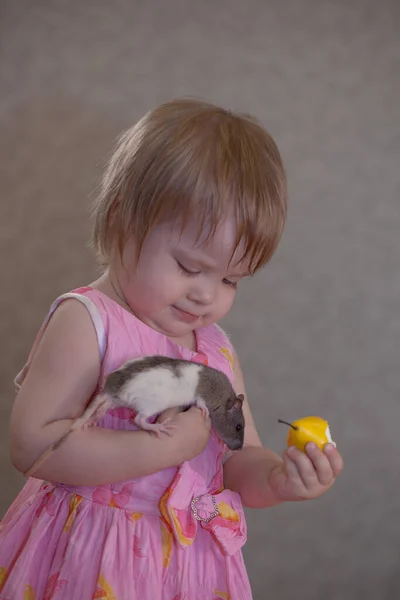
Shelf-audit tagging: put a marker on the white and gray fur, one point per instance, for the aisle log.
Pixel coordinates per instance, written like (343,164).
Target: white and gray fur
(152,384)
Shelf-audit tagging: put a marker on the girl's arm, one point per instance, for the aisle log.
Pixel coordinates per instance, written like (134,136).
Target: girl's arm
(264,479)
(246,471)
(62,377)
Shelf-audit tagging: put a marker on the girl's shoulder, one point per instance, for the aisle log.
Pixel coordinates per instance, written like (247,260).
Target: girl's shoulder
(72,318)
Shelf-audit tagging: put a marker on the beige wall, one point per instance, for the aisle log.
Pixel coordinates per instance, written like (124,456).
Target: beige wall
(323,333)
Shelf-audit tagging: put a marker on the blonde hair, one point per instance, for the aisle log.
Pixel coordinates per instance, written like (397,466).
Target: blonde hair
(190,159)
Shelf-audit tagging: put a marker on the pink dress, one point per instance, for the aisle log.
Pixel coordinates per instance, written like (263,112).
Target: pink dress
(137,539)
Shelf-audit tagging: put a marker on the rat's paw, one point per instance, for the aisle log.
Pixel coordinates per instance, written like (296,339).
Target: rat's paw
(157,428)
(202,406)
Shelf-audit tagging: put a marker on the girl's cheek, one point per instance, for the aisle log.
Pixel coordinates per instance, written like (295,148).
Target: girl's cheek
(225,303)
(231,298)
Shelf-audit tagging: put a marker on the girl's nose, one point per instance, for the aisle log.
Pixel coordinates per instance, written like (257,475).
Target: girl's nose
(202,293)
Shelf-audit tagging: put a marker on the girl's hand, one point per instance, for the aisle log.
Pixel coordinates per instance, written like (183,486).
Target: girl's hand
(305,476)
(191,431)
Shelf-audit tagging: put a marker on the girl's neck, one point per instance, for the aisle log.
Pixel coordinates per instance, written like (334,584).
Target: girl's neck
(106,285)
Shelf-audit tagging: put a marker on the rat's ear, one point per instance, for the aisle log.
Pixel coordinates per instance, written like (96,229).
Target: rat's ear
(236,403)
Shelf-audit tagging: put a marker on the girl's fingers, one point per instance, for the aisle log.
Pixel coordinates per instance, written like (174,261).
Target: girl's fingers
(169,413)
(305,467)
(335,459)
(292,470)
(321,463)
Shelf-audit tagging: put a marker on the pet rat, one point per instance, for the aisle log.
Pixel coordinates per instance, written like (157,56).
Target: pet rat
(151,384)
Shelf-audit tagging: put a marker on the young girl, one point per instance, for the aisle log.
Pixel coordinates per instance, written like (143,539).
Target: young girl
(193,201)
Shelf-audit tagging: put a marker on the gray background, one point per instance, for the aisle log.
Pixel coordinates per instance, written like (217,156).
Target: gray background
(319,330)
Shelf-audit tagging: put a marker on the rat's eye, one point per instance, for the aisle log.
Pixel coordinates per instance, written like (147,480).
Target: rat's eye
(238,427)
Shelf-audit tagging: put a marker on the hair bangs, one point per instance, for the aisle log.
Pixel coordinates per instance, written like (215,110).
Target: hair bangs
(234,171)
(190,161)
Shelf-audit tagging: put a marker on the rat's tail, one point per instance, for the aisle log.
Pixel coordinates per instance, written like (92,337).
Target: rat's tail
(91,415)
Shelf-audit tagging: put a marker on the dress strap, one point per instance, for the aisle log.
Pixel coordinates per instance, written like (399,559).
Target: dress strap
(96,320)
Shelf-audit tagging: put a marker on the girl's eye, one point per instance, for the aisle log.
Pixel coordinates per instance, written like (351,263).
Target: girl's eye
(187,271)
(233,284)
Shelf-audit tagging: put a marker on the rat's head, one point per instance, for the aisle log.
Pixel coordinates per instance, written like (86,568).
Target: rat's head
(229,423)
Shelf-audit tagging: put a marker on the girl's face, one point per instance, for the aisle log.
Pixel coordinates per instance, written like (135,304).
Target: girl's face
(178,285)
